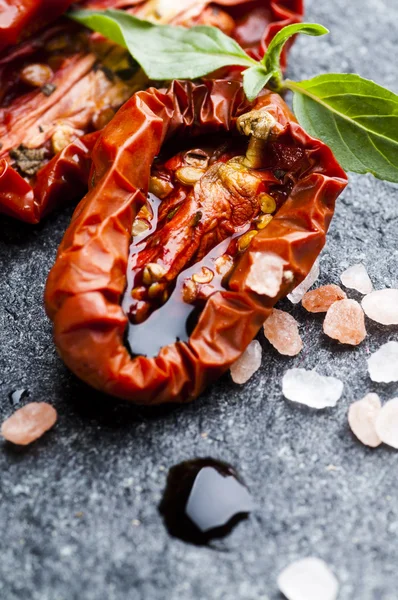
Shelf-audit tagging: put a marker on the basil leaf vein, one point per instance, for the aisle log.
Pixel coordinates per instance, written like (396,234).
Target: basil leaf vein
(356,117)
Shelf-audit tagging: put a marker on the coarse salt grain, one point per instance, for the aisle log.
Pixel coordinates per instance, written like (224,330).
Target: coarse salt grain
(387,423)
(298,293)
(281,330)
(29,423)
(345,322)
(308,579)
(321,299)
(382,306)
(247,364)
(311,389)
(383,364)
(265,274)
(362,417)
(357,278)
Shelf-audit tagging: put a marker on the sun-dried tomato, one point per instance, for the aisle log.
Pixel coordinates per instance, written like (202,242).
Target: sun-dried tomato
(86,79)
(216,273)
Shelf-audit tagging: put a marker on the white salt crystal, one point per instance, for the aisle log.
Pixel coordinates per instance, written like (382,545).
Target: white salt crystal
(266,273)
(387,423)
(383,364)
(308,579)
(299,292)
(362,417)
(357,278)
(382,306)
(248,363)
(310,388)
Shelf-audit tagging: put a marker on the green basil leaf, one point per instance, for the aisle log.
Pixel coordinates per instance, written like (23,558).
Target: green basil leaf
(254,80)
(271,60)
(167,52)
(356,117)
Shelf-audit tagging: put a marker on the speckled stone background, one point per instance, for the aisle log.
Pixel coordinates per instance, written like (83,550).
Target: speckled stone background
(78,510)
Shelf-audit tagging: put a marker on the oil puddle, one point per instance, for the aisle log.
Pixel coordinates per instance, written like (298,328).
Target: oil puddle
(204,499)
(173,321)
(17,395)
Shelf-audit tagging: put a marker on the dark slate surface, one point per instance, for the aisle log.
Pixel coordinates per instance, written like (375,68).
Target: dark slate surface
(78,510)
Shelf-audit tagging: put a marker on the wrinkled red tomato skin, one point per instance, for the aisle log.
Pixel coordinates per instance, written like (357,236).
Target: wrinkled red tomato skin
(29,202)
(21,18)
(61,181)
(86,284)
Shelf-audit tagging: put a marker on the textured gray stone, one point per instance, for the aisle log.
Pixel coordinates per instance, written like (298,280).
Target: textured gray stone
(78,510)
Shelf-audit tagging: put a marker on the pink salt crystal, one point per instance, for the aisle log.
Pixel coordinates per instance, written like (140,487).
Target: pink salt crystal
(248,363)
(357,278)
(321,299)
(362,417)
(281,330)
(266,273)
(29,423)
(382,306)
(387,423)
(345,322)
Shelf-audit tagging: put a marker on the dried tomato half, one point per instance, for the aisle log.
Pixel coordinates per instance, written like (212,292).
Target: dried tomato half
(56,88)
(154,294)
(65,82)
